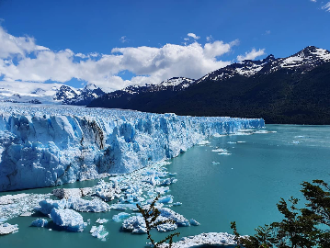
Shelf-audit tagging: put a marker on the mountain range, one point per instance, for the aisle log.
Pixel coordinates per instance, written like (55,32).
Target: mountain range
(292,90)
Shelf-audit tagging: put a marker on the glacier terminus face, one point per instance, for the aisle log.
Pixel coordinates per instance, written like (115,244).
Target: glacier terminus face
(49,145)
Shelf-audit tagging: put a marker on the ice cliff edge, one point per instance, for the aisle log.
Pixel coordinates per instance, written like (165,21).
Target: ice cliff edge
(52,145)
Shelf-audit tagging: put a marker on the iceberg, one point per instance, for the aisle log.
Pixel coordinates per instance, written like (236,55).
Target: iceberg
(99,232)
(101,221)
(52,145)
(135,224)
(68,219)
(39,223)
(167,227)
(194,222)
(7,228)
(120,217)
(78,204)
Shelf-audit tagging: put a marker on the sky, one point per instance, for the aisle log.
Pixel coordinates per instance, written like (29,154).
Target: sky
(114,44)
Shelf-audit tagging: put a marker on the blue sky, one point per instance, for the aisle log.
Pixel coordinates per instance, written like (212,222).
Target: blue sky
(82,38)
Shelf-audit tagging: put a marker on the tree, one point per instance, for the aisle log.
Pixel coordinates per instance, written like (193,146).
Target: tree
(300,228)
(150,216)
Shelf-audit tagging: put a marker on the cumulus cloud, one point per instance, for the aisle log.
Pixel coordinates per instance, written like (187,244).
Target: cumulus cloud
(313,1)
(192,35)
(326,7)
(23,62)
(251,55)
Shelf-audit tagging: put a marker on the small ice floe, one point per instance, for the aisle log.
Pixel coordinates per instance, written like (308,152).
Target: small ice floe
(162,190)
(68,219)
(7,228)
(219,135)
(120,217)
(299,136)
(99,232)
(165,199)
(231,142)
(240,133)
(215,163)
(296,142)
(194,222)
(135,224)
(219,150)
(167,227)
(203,143)
(67,193)
(123,207)
(205,239)
(9,199)
(26,214)
(241,141)
(101,221)
(177,204)
(264,131)
(39,223)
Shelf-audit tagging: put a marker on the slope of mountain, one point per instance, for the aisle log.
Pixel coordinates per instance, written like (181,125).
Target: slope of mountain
(286,90)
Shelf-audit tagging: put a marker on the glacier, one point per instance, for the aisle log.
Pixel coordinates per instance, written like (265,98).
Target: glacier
(50,145)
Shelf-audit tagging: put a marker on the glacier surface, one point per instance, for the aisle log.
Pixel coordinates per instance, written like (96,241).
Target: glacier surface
(52,145)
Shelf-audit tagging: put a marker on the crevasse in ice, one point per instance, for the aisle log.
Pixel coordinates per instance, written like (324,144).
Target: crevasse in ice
(52,145)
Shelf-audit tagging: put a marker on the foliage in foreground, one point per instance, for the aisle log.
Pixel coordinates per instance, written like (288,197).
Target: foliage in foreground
(150,216)
(300,228)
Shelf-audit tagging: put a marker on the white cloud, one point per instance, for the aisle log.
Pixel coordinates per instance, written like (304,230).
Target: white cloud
(209,38)
(251,55)
(123,39)
(148,64)
(326,7)
(313,1)
(192,35)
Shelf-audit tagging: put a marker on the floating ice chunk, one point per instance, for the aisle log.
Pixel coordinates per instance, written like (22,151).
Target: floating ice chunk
(264,131)
(219,150)
(101,221)
(216,135)
(231,142)
(205,239)
(7,228)
(46,206)
(39,223)
(203,142)
(167,227)
(67,193)
(194,222)
(215,163)
(26,214)
(120,217)
(177,204)
(177,218)
(135,224)
(94,205)
(68,219)
(124,207)
(168,181)
(8,199)
(296,142)
(241,141)
(99,232)
(162,190)
(166,199)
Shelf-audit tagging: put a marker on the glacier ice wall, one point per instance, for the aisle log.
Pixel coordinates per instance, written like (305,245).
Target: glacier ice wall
(52,145)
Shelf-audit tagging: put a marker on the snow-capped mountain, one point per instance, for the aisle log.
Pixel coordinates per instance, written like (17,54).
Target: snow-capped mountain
(290,90)
(305,60)
(62,95)
(72,96)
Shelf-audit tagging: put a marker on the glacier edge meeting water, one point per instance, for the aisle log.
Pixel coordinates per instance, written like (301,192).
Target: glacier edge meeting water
(55,145)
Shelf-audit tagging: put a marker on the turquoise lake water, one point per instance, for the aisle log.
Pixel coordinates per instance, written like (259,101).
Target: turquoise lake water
(214,189)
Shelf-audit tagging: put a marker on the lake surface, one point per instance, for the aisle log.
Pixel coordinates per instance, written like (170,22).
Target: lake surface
(214,189)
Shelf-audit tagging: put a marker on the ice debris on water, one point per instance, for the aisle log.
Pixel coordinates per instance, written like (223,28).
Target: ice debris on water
(194,222)
(99,232)
(7,228)
(39,223)
(177,204)
(167,227)
(120,217)
(68,219)
(135,224)
(15,205)
(101,221)
(215,163)
(205,239)
(50,143)
(78,204)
